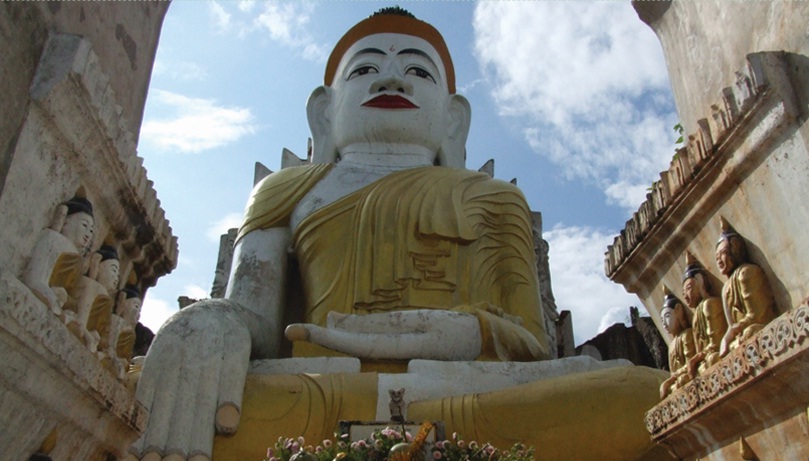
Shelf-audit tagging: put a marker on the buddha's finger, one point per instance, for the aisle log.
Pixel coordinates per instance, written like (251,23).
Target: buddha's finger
(200,446)
(183,412)
(231,386)
(166,379)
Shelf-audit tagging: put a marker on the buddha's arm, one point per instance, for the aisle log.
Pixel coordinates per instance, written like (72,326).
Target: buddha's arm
(756,295)
(716,324)
(193,376)
(257,281)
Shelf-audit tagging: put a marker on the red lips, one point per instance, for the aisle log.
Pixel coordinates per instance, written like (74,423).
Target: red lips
(389,101)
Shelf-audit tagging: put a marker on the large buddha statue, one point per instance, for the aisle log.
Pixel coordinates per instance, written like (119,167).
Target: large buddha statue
(399,252)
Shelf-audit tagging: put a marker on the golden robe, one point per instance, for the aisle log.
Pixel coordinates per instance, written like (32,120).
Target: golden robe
(709,327)
(423,238)
(681,350)
(748,298)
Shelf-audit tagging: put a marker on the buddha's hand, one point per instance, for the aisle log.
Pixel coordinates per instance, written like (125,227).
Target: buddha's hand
(192,381)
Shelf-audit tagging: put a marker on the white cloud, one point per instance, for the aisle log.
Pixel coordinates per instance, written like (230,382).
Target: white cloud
(220,17)
(588,85)
(217,228)
(614,315)
(155,312)
(182,71)
(246,6)
(195,292)
(579,283)
(195,124)
(287,23)
(627,195)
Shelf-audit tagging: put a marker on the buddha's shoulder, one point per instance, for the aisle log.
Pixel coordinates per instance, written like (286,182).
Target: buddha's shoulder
(292,179)
(456,176)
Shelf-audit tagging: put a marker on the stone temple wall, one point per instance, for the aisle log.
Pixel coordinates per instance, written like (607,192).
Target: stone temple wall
(740,75)
(73,86)
(746,153)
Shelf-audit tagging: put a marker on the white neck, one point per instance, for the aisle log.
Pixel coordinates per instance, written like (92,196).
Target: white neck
(387,155)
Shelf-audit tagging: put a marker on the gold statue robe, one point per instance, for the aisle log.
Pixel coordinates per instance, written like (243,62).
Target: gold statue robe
(709,327)
(748,300)
(423,238)
(681,350)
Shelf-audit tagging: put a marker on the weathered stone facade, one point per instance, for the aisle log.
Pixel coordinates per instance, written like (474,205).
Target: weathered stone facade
(69,124)
(741,83)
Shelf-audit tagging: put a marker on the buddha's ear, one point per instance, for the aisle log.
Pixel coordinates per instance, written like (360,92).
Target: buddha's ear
(453,149)
(317,112)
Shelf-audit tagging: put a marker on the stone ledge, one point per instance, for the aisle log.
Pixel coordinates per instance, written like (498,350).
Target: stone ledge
(758,386)
(84,401)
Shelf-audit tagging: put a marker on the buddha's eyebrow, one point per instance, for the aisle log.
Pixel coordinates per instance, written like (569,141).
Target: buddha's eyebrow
(418,52)
(369,50)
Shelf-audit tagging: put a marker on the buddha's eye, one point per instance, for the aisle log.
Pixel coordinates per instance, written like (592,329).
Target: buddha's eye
(362,70)
(420,73)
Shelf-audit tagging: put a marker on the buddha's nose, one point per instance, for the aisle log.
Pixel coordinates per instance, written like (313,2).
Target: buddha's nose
(392,81)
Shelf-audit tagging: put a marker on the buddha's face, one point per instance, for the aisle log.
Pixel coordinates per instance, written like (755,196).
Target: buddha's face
(691,292)
(670,320)
(389,88)
(724,260)
(108,274)
(132,310)
(78,228)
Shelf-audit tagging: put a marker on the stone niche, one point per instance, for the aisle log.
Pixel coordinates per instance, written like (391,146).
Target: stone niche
(745,159)
(60,397)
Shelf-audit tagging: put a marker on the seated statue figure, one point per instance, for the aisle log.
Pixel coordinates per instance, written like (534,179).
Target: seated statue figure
(677,322)
(709,325)
(90,317)
(57,260)
(121,336)
(746,295)
(399,253)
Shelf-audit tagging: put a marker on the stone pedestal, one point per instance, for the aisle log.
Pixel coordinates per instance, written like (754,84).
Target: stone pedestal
(54,388)
(750,405)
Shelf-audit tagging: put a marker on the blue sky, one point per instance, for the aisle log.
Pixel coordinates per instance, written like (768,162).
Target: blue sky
(570,98)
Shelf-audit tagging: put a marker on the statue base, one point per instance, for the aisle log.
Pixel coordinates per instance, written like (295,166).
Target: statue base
(56,398)
(752,404)
(571,409)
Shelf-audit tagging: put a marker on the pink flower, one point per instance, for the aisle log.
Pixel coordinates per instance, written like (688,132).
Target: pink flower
(273,459)
(319,449)
(454,436)
(327,443)
(295,447)
(408,437)
(461,444)
(344,436)
(489,450)
(473,445)
(270,453)
(301,441)
(362,443)
(354,445)
(439,444)
(436,455)
(341,445)
(377,443)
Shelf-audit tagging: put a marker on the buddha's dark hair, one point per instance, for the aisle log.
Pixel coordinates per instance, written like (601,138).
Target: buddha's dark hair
(394,11)
(79,205)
